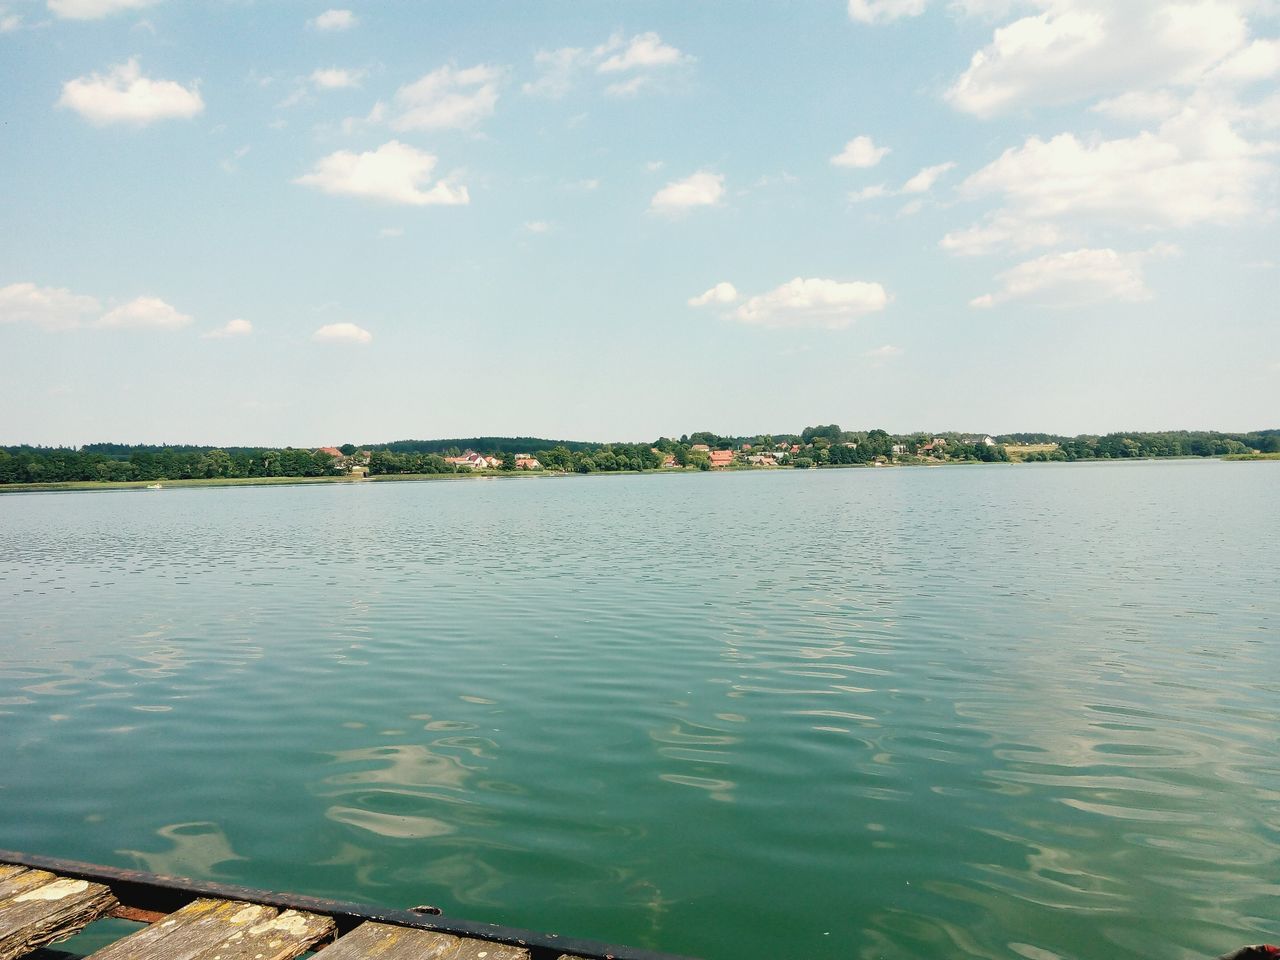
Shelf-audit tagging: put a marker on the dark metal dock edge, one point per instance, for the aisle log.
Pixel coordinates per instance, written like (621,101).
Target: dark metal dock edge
(150,892)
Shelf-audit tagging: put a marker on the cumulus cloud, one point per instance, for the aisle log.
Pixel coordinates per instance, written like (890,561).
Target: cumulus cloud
(394,172)
(52,308)
(333,20)
(723,292)
(232,328)
(701,189)
(1079,49)
(342,333)
(334,78)
(860,152)
(923,181)
(1194,169)
(1002,232)
(144,313)
(643,57)
(1075,279)
(94,9)
(882,11)
(642,51)
(813,302)
(447,98)
(124,95)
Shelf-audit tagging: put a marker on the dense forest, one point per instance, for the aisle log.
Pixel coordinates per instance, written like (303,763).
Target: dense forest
(1172,443)
(815,446)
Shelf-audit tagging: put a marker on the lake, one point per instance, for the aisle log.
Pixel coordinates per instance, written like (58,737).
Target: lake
(981,711)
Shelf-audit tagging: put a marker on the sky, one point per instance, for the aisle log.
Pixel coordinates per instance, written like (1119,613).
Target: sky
(285,223)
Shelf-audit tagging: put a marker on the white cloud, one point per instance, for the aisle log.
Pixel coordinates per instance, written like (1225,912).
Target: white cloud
(447,98)
(537,226)
(334,78)
(883,353)
(1079,49)
(923,181)
(342,333)
(94,9)
(813,302)
(1140,105)
(1075,279)
(394,172)
(702,189)
(9,22)
(53,308)
(390,233)
(1194,169)
(144,313)
(723,292)
(232,328)
(629,88)
(558,69)
(860,152)
(232,163)
(124,95)
(643,55)
(1002,232)
(332,20)
(1258,61)
(376,115)
(882,11)
(873,192)
(643,51)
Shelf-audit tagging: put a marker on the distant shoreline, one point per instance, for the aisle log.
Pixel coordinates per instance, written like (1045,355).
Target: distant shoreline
(74,486)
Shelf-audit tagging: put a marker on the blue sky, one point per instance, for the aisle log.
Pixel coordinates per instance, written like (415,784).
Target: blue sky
(288,223)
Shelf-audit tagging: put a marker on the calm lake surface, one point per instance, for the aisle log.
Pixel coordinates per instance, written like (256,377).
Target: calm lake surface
(980,711)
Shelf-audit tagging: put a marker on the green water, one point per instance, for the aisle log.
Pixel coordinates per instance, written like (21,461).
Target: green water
(964,712)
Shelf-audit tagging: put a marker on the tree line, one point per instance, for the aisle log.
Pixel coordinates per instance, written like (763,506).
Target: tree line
(820,445)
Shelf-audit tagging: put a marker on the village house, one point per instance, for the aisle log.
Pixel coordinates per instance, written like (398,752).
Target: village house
(899,449)
(762,460)
(721,458)
(329,451)
(474,461)
(701,448)
(527,462)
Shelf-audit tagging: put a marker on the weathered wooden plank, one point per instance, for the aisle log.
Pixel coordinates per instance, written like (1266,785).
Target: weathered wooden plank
(383,941)
(468,949)
(194,931)
(50,912)
(282,937)
(22,881)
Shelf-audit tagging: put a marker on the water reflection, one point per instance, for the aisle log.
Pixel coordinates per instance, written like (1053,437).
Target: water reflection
(970,712)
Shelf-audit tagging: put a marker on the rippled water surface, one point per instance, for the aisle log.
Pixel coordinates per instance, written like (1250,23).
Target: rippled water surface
(983,711)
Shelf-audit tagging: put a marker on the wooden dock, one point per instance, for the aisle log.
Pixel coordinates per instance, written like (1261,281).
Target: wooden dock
(45,900)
